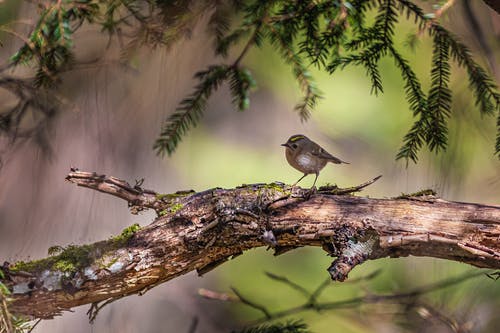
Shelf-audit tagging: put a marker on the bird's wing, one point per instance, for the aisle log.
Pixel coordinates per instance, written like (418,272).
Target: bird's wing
(320,152)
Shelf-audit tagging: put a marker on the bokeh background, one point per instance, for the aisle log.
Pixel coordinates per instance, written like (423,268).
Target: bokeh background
(113,114)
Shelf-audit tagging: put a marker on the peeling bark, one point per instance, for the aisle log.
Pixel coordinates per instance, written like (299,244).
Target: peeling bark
(199,231)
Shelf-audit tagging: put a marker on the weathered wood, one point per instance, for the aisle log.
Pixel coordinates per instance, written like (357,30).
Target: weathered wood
(198,231)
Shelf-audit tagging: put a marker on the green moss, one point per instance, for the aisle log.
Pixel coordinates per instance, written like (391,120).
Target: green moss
(70,259)
(125,235)
(172,196)
(420,193)
(277,187)
(32,266)
(129,231)
(175,208)
(75,257)
(64,266)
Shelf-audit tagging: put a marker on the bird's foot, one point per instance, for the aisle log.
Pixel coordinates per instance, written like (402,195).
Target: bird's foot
(307,195)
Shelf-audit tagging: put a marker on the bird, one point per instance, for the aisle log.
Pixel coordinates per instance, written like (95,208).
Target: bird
(307,156)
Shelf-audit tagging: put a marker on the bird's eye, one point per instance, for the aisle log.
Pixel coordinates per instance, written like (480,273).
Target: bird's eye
(294,146)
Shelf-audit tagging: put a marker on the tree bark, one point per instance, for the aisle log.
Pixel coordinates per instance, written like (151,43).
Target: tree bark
(198,231)
(493,4)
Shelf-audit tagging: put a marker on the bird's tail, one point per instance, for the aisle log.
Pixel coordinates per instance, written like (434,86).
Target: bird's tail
(338,160)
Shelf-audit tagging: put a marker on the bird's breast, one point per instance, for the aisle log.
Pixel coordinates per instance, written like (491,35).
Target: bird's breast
(305,163)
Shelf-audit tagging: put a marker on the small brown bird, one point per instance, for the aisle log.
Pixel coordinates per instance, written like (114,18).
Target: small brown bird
(307,156)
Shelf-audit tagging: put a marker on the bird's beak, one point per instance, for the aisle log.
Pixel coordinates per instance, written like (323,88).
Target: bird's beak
(284,144)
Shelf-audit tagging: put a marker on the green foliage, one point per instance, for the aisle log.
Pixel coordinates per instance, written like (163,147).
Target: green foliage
(439,98)
(329,35)
(50,43)
(431,127)
(289,327)
(190,109)
(333,35)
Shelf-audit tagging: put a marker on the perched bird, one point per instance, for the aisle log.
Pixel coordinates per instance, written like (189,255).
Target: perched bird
(307,156)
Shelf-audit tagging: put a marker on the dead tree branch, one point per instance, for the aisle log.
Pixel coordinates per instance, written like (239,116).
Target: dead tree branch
(199,231)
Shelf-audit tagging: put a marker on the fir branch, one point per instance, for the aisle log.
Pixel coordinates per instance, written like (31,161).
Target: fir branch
(484,88)
(414,140)
(223,44)
(413,90)
(304,32)
(302,75)
(190,109)
(50,43)
(219,22)
(439,100)
(332,38)
(357,16)
(365,39)
(386,20)
(412,9)
(311,45)
(373,72)
(240,84)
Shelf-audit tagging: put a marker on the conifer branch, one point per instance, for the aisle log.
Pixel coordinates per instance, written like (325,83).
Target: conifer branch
(190,109)
(439,100)
(302,75)
(327,34)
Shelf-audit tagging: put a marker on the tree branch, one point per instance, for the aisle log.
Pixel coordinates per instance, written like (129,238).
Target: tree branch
(199,231)
(493,4)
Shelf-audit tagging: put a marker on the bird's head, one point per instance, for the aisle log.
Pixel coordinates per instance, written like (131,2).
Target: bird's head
(295,141)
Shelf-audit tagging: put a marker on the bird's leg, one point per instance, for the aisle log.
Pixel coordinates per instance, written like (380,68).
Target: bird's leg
(315,179)
(299,180)
(312,190)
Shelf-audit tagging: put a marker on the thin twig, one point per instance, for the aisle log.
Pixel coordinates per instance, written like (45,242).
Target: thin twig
(311,304)
(317,292)
(113,186)
(373,298)
(439,12)
(96,307)
(289,283)
(252,304)
(339,191)
(246,48)
(213,295)
(34,325)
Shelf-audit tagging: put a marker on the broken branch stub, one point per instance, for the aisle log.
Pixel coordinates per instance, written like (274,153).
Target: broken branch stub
(199,231)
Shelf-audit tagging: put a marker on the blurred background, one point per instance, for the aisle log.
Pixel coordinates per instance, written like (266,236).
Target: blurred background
(113,115)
